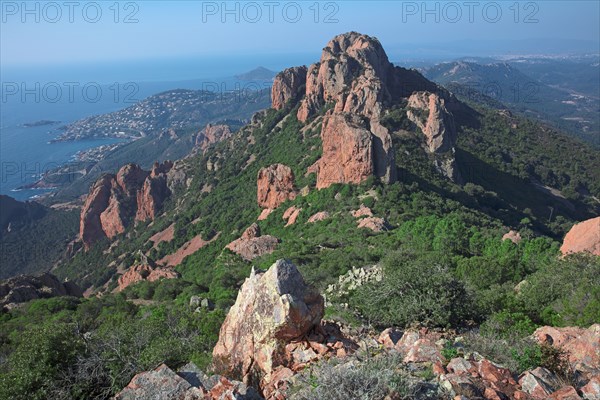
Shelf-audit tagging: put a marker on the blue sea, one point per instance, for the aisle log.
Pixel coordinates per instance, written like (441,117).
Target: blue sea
(66,94)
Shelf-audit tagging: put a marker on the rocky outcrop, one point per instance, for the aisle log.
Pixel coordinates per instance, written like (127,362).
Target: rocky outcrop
(347,151)
(581,345)
(583,237)
(272,309)
(115,201)
(24,288)
(513,236)
(287,85)
(320,216)
(355,81)
(291,215)
(188,384)
(373,223)
(362,211)
(428,111)
(212,134)
(252,245)
(275,185)
(145,272)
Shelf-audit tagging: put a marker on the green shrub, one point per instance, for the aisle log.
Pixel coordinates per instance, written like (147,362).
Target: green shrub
(417,288)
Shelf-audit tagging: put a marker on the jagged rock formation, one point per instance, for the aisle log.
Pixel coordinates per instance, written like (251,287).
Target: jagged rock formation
(24,288)
(212,134)
(583,237)
(145,272)
(275,185)
(251,244)
(287,85)
(115,200)
(373,223)
(437,124)
(272,309)
(355,78)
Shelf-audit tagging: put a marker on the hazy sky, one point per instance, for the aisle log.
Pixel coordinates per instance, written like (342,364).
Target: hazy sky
(42,33)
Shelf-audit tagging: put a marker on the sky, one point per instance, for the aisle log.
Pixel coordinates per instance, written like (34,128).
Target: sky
(38,34)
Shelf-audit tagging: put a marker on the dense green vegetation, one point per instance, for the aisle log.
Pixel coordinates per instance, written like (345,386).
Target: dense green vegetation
(66,348)
(443,260)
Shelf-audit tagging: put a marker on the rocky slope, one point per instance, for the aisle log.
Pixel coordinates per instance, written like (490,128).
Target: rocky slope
(274,331)
(115,201)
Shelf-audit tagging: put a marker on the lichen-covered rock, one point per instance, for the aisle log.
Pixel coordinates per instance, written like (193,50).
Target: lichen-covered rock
(272,309)
(275,185)
(583,237)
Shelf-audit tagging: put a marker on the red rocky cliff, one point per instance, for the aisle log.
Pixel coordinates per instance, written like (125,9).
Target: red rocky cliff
(287,85)
(115,201)
(275,185)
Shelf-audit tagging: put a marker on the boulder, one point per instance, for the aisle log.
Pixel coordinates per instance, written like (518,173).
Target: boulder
(272,309)
(583,237)
(513,236)
(291,215)
(591,390)
(581,345)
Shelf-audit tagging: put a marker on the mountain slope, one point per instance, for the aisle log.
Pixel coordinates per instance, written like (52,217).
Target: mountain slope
(502,159)
(505,83)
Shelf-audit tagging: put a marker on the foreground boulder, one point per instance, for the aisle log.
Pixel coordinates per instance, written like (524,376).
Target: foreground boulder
(272,309)
(24,288)
(114,201)
(583,237)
